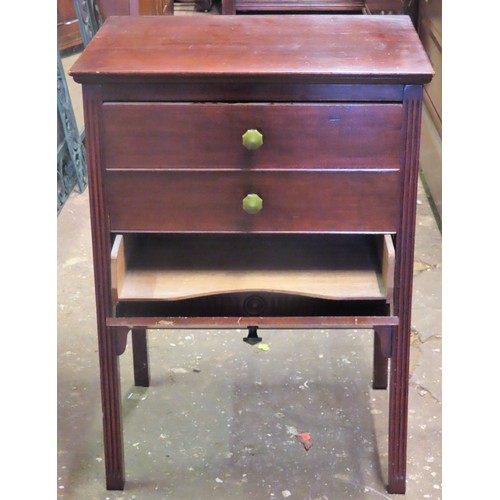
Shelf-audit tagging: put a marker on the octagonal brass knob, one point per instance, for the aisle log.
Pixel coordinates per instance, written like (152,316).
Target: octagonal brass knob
(252,139)
(252,203)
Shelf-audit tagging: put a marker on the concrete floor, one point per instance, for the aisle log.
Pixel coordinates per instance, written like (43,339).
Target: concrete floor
(219,418)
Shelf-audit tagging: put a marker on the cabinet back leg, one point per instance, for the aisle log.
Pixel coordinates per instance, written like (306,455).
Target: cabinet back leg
(381,346)
(141,357)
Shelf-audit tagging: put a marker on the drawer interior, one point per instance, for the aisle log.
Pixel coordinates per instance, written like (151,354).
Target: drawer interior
(283,272)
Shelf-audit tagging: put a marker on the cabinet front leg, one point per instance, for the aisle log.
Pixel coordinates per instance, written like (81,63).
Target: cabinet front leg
(405,244)
(110,345)
(141,357)
(111,411)
(398,414)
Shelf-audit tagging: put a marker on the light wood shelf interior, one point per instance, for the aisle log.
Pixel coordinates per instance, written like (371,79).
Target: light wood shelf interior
(147,267)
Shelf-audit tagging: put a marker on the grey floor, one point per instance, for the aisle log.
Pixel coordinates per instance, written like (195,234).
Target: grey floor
(219,419)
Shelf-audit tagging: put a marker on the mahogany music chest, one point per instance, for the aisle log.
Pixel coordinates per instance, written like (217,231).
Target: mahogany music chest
(254,172)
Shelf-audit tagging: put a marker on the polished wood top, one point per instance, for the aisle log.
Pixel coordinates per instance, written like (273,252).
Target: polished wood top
(291,48)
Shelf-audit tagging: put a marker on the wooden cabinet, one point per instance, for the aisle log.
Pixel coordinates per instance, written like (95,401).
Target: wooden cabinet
(430,31)
(68,29)
(254,6)
(263,175)
(341,6)
(392,7)
(135,7)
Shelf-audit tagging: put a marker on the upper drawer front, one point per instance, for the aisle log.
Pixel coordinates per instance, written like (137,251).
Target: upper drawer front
(211,201)
(306,136)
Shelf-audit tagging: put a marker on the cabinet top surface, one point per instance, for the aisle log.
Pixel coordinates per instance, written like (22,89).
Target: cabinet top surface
(326,48)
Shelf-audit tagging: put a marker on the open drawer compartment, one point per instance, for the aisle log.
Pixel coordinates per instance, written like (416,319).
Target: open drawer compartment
(170,267)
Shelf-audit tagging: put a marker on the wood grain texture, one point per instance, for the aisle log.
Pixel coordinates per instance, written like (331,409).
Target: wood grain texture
(339,49)
(294,201)
(310,136)
(405,242)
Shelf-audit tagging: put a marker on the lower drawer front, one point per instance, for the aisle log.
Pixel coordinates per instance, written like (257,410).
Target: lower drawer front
(212,201)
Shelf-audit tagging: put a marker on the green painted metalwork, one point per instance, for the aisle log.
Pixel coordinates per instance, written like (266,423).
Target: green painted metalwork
(89,19)
(71,157)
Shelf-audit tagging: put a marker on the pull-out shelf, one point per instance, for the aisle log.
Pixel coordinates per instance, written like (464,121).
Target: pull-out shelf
(175,267)
(214,278)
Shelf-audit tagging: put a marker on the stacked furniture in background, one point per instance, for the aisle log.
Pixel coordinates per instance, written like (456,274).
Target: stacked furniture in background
(321,6)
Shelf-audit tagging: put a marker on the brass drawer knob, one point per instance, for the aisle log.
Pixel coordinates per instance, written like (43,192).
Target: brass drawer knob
(252,139)
(252,203)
